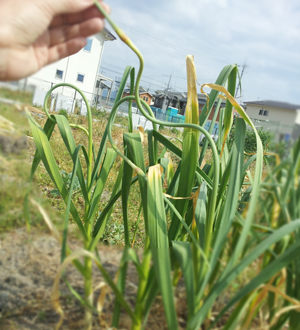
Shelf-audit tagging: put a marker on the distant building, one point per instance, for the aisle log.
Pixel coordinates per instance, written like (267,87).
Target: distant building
(143,93)
(280,118)
(164,99)
(179,100)
(80,69)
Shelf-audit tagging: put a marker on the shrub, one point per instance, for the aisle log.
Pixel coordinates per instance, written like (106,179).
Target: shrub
(175,131)
(250,139)
(64,112)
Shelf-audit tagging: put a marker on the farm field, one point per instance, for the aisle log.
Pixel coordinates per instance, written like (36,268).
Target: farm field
(30,264)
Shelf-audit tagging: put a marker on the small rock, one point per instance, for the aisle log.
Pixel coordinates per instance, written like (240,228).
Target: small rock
(20,144)
(6,144)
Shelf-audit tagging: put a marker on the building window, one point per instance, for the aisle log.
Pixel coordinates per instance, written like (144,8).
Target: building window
(59,74)
(88,46)
(143,97)
(146,98)
(261,112)
(266,112)
(80,77)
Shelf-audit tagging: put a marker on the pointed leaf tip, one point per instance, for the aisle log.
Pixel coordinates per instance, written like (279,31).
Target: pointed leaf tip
(192,107)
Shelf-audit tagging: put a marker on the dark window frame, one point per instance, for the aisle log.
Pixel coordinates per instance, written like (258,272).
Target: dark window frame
(57,76)
(80,74)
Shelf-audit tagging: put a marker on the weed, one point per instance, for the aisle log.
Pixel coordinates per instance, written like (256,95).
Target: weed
(64,112)
(21,96)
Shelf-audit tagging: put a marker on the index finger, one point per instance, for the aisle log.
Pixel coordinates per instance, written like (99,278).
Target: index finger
(75,18)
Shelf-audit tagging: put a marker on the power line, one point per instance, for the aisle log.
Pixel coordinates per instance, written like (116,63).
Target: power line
(160,85)
(171,35)
(123,69)
(183,78)
(148,82)
(167,44)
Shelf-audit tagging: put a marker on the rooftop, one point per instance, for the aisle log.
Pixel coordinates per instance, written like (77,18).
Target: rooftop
(275,104)
(142,90)
(108,35)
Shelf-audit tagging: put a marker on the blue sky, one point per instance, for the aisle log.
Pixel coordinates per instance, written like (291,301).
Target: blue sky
(263,34)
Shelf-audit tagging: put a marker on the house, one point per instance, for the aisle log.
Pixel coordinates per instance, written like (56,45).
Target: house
(280,118)
(202,99)
(143,93)
(164,100)
(147,97)
(179,100)
(80,69)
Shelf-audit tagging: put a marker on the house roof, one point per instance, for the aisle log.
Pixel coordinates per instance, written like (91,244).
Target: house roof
(141,91)
(179,95)
(162,95)
(146,93)
(202,101)
(141,88)
(170,94)
(108,35)
(275,104)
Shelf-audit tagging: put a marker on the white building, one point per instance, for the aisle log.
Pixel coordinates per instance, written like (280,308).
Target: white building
(80,69)
(280,118)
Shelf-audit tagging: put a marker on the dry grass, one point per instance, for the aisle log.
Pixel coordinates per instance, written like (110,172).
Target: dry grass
(18,167)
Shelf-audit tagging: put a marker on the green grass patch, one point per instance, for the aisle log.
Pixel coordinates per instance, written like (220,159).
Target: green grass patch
(20,96)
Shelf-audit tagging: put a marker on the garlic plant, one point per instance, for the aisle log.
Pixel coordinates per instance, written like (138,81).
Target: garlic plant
(208,227)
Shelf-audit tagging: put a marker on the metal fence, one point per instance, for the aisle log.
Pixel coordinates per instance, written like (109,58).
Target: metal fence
(70,100)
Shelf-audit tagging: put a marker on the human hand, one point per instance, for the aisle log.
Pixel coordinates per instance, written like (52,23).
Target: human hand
(34,33)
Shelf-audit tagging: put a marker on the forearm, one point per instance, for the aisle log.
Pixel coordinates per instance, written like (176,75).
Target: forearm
(3,64)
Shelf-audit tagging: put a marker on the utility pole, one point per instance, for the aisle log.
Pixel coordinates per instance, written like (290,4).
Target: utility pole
(167,90)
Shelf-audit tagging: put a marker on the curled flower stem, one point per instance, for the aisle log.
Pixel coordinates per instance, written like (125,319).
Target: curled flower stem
(140,104)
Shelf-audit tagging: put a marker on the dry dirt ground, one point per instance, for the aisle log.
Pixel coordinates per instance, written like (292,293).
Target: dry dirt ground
(29,263)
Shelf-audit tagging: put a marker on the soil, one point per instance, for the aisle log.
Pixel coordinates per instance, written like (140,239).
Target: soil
(29,263)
